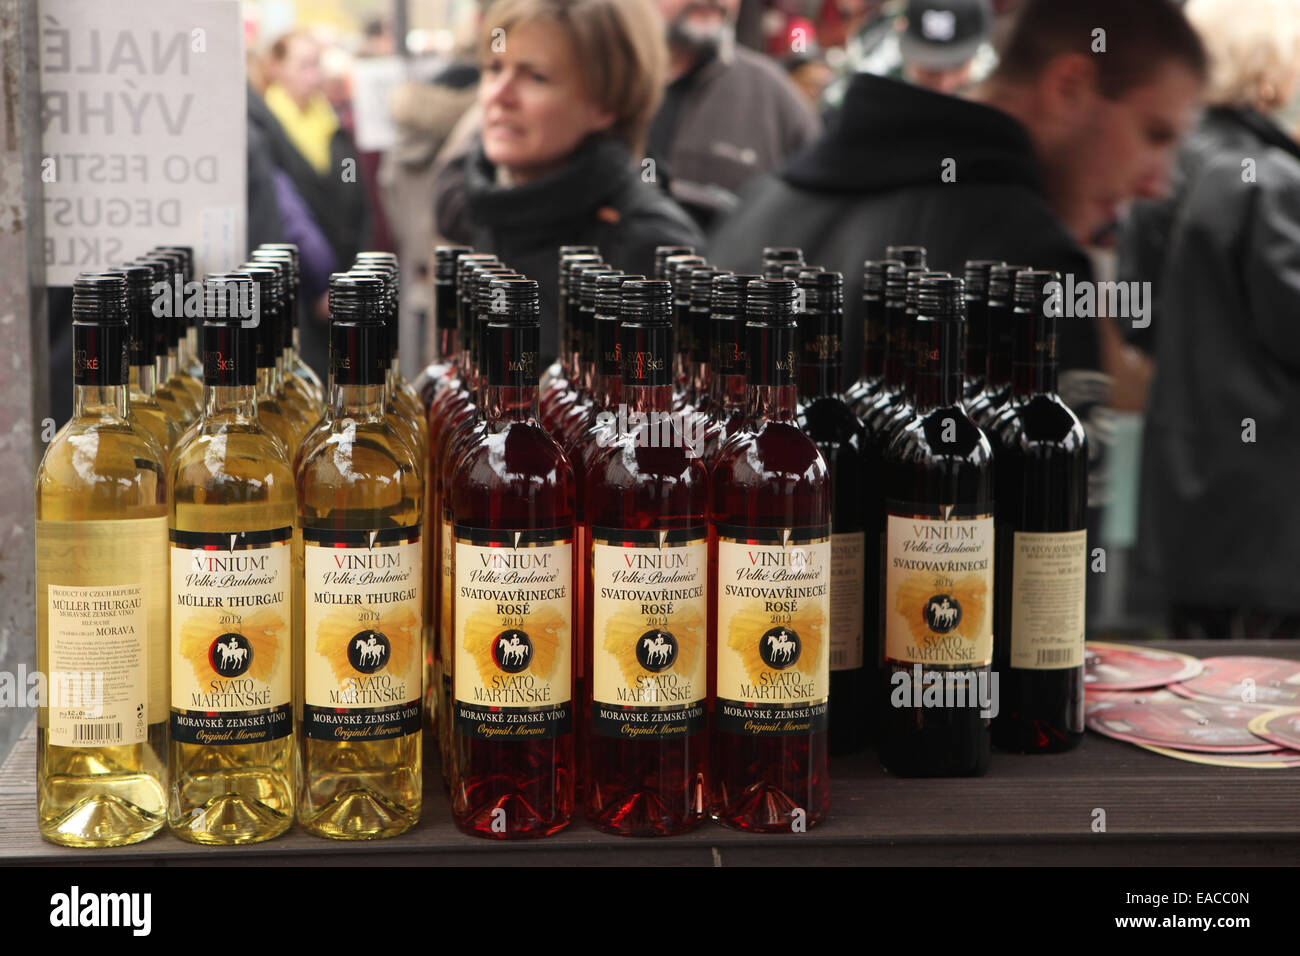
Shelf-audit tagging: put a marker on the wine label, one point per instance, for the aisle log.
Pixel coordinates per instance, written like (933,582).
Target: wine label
(102,607)
(363,667)
(938,586)
(848,577)
(773,615)
(513,675)
(231,638)
(649,632)
(1049,576)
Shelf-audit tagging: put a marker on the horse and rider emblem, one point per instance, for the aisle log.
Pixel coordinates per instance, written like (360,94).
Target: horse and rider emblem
(231,655)
(368,651)
(942,613)
(512,651)
(779,647)
(656,651)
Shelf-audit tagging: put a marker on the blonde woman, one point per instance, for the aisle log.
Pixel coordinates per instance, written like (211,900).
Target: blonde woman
(567,91)
(1220,520)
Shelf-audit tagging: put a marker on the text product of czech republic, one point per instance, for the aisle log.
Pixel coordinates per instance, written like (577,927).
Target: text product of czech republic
(231,655)
(773,630)
(938,586)
(514,633)
(363,665)
(649,632)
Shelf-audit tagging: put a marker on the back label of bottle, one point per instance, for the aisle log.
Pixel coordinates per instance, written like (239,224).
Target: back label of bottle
(363,634)
(773,621)
(1049,581)
(102,604)
(231,637)
(848,576)
(649,633)
(938,586)
(513,673)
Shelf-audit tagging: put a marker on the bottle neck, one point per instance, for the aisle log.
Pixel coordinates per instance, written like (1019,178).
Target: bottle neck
(977,337)
(363,403)
(164,366)
(504,404)
(99,401)
(937,379)
(1034,365)
(448,346)
(268,380)
(239,401)
(873,338)
(649,398)
(772,403)
(141,379)
(894,364)
(1000,345)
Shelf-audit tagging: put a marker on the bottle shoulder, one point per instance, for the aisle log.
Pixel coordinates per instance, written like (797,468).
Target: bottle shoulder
(942,435)
(115,461)
(1038,424)
(232,446)
(345,450)
(773,455)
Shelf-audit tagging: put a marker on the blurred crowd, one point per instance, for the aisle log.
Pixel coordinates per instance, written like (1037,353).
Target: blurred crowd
(1141,141)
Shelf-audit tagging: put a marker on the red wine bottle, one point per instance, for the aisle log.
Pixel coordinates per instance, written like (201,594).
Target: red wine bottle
(769,538)
(937,699)
(830,423)
(1041,572)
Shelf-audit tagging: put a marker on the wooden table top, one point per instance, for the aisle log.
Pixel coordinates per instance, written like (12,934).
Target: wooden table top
(1027,810)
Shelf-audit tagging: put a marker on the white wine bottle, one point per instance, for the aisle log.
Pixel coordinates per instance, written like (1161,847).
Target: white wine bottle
(232,514)
(101,597)
(359,497)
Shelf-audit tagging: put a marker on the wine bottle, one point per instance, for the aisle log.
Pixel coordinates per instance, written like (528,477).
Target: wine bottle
(825,418)
(301,375)
(101,597)
(769,535)
(937,697)
(231,524)
(359,515)
(1041,572)
(438,373)
(511,500)
(646,617)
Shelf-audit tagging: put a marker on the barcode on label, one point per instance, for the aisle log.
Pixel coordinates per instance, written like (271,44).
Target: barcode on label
(1053,655)
(98,733)
(839,659)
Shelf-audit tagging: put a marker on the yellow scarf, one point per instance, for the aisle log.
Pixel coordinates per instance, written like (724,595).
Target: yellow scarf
(309,130)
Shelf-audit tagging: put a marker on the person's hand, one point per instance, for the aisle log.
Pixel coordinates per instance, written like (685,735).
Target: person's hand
(1130,370)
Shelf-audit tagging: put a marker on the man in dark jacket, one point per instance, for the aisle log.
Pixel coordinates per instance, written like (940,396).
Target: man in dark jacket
(1055,141)
(728,114)
(1218,522)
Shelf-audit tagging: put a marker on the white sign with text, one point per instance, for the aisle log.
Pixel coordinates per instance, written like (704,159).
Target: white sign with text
(143,132)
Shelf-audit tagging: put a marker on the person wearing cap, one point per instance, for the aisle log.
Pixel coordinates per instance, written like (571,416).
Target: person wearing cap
(942,45)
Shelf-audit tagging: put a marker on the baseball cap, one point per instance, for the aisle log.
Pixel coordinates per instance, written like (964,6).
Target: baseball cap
(944,34)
